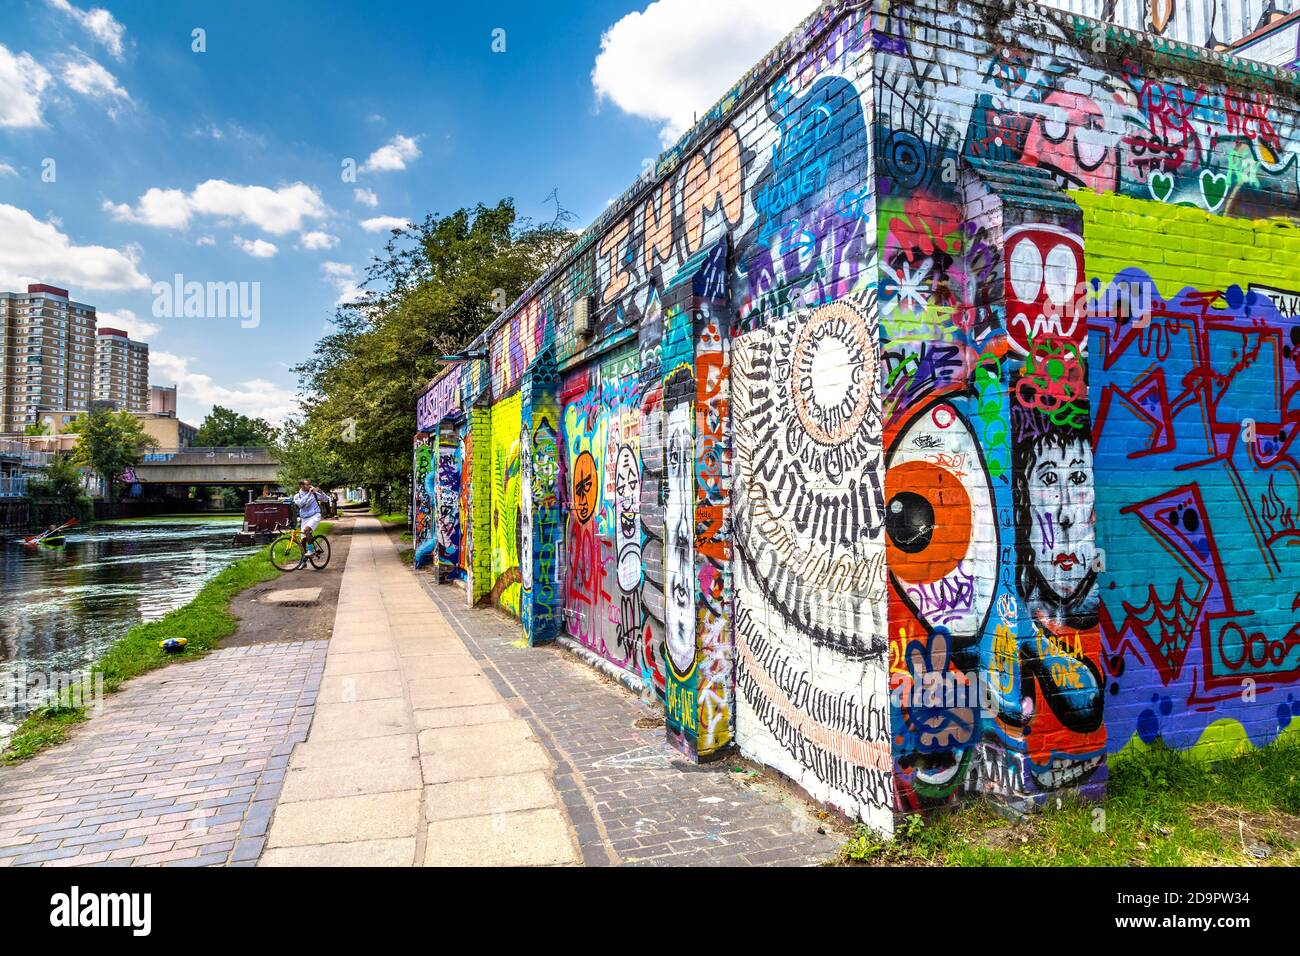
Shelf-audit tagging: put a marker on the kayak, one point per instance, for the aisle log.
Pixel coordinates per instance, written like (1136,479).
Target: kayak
(52,536)
(53,541)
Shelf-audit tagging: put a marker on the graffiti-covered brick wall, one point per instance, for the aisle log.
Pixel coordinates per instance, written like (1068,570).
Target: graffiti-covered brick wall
(1198,489)
(424,493)
(1084,292)
(930,436)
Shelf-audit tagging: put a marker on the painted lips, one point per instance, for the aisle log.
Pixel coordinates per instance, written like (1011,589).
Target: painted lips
(1066,562)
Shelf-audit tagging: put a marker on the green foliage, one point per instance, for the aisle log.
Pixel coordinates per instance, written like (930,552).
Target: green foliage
(108,443)
(304,455)
(1162,808)
(224,428)
(435,287)
(60,481)
(203,622)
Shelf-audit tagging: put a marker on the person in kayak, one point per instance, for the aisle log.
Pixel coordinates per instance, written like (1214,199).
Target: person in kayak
(308,510)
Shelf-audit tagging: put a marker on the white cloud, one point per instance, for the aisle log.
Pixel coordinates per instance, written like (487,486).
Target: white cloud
(317,241)
(89,78)
(276,211)
(365,197)
(130,323)
(206,241)
(22,83)
(98,22)
(35,251)
(7,170)
(256,397)
(640,67)
(393,155)
(343,278)
(384,223)
(257,248)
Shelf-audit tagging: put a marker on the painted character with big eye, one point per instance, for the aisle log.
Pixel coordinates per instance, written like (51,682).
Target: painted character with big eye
(679,547)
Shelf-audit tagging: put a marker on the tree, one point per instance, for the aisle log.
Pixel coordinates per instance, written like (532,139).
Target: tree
(436,286)
(225,427)
(303,455)
(61,482)
(108,444)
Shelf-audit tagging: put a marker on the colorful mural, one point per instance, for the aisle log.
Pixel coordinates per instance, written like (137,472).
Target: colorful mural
(602,444)
(448,506)
(424,493)
(1195,382)
(933,437)
(507,516)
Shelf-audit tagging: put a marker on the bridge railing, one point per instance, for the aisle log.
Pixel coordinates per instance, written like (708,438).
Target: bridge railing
(194,455)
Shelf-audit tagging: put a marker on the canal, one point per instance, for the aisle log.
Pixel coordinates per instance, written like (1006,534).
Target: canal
(60,608)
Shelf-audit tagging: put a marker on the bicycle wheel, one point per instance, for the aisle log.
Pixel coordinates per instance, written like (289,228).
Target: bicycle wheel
(320,555)
(286,553)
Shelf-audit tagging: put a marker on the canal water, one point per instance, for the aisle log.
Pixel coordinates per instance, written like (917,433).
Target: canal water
(60,608)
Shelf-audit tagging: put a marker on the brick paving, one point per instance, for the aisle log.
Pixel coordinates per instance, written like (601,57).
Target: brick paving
(438,739)
(630,797)
(182,768)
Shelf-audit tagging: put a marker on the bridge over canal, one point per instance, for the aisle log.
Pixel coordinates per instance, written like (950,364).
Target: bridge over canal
(208,466)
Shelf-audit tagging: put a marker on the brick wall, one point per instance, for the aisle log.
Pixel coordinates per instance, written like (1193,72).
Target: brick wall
(988,400)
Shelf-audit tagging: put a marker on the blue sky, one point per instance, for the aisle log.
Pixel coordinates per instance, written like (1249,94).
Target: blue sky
(226,165)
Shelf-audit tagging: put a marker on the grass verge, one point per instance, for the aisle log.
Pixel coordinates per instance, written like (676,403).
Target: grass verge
(204,621)
(1162,808)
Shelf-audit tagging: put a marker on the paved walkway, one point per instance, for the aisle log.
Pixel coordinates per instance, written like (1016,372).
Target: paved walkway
(182,768)
(413,759)
(630,798)
(438,740)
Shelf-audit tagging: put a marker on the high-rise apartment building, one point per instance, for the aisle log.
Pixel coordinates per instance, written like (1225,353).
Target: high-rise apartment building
(162,400)
(48,348)
(121,371)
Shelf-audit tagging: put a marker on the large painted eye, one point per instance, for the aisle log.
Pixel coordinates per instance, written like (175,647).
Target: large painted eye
(941,530)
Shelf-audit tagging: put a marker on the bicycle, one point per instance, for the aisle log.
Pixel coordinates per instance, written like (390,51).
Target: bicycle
(289,552)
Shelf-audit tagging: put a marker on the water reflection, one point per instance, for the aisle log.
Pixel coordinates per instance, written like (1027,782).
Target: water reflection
(61,607)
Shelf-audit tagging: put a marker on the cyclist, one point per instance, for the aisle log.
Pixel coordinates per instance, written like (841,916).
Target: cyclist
(308,510)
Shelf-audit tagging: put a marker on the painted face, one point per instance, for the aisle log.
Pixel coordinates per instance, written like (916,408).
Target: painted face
(1071,139)
(679,545)
(1061,510)
(526,511)
(627,532)
(1044,272)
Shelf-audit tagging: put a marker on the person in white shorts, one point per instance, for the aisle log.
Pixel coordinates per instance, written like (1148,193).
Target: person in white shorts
(308,509)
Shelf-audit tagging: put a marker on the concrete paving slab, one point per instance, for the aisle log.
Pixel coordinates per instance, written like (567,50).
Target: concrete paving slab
(440,665)
(467,763)
(431,692)
(478,737)
(292,597)
(346,753)
(360,662)
(528,838)
(373,685)
(362,719)
(350,779)
(396,852)
(375,816)
(462,716)
(487,795)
